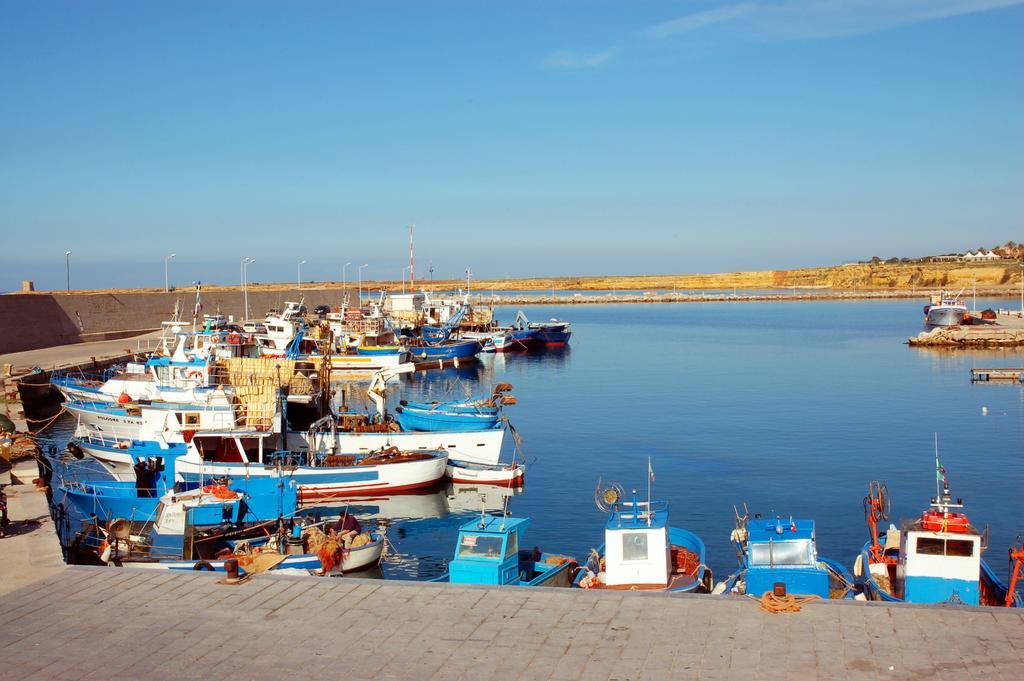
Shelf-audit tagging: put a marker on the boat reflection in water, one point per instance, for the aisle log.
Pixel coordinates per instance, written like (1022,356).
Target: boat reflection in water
(420,527)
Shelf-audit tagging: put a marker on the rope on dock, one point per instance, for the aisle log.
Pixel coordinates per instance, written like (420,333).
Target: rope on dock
(787,603)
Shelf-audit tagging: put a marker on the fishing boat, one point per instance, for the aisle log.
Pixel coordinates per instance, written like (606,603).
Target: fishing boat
(945,309)
(316,475)
(457,416)
(185,536)
(774,551)
(553,333)
(354,433)
(935,558)
(641,551)
(488,552)
(137,501)
(423,351)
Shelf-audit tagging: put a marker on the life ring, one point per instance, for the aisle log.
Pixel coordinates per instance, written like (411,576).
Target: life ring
(203,565)
(215,338)
(234,338)
(195,373)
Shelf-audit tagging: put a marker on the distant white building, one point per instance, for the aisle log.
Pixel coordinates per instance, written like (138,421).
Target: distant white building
(980,255)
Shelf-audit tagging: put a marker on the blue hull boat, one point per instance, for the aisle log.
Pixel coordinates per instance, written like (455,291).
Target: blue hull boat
(935,558)
(487,552)
(773,552)
(109,499)
(435,420)
(451,350)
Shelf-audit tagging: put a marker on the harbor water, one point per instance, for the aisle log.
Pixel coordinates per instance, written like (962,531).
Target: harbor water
(789,407)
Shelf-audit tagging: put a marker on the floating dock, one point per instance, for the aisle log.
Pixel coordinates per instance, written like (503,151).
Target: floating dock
(998,374)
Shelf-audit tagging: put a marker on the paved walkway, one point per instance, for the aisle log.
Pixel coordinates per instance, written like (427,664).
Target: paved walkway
(31,551)
(108,623)
(76,353)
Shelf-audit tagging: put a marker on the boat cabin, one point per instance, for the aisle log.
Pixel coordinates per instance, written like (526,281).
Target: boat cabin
(487,551)
(783,551)
(940,559)
(637,546)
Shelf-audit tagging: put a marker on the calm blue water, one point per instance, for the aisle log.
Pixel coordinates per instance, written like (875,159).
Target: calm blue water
(789,407)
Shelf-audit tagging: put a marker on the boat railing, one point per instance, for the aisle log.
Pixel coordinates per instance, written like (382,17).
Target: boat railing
(77,375)
(112,438)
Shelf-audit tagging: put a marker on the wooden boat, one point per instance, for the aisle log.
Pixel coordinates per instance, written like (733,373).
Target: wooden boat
(421,351)
(777,551)
(501,475)
(935,558)
(488,552)
(641,551)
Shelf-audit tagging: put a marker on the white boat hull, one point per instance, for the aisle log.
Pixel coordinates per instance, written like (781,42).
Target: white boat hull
(477,446)
(325,482)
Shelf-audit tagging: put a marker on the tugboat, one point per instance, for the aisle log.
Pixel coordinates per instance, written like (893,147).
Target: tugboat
(641,551)
(487,552)
(935,558)
(777,551)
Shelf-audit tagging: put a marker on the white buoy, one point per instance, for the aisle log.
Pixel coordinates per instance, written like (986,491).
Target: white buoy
(984,411)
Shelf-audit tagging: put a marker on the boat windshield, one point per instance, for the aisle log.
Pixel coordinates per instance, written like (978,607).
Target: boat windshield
(790,552)
(479,546)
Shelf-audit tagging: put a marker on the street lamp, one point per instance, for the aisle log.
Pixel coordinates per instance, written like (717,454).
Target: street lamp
(361,282)
(67,266)
(404,270)
(245,284)
(167,281)
(298,274)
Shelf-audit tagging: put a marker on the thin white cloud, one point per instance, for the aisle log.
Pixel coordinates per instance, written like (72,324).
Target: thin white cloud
(795,19)
(698,20)
(568,59)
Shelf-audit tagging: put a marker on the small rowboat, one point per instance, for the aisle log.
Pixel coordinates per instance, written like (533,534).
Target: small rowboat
(436,420)
(482,474)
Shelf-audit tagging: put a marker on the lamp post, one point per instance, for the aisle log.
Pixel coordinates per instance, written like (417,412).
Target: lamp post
(1022,288)
(344,283)
(67,267)
(404,270)
(360,268)
(245,284)
(167,281)
(298,275)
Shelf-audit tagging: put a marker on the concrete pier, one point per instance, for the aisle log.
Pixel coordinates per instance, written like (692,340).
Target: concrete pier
(109,623)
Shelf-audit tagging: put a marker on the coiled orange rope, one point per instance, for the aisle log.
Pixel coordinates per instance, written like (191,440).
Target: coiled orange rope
(788,603)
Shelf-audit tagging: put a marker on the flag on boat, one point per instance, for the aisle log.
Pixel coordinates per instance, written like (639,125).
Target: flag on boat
(650,471)
(940,471)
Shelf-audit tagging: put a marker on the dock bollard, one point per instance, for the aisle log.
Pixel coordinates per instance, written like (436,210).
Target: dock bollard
(231,567)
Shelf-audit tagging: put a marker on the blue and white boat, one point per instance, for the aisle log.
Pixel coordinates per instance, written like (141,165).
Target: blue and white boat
(935,558)
(439,419)
(109,499)
(777,551)
(488,551)
(641,551)
(177,540)
(445,350)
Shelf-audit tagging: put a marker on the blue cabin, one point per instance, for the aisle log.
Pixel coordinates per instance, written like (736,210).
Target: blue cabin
(784,551)
(487,552)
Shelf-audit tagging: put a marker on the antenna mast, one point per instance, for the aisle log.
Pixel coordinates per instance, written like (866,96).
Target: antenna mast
(412,277)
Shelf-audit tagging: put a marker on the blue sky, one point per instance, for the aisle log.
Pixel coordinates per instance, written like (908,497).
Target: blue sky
(521,138)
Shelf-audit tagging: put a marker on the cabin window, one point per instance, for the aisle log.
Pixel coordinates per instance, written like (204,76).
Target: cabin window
(929,546)
(163,374)
(192,419)
(512,547)
(634,546)
(479,546)
(959,547)
(791,552)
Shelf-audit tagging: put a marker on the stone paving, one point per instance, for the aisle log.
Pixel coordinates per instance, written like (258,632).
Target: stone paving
(108,623)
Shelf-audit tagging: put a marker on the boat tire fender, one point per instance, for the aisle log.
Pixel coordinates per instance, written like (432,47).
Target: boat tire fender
(76,450)
(203,565)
